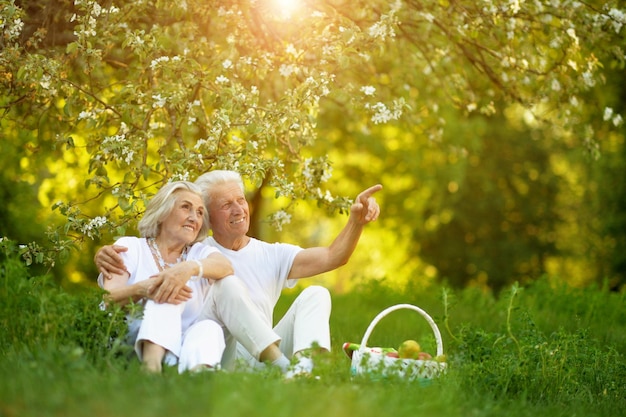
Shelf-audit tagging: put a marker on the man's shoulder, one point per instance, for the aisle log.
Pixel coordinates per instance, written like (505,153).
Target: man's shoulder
(279,247)
(254,245)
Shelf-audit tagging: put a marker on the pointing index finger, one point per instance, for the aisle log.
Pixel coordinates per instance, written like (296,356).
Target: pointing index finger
(370,191)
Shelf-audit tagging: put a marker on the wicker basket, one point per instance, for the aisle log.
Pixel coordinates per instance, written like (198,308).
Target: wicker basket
(370,362)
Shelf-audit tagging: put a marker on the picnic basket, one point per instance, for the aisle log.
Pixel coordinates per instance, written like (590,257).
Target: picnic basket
(373,362)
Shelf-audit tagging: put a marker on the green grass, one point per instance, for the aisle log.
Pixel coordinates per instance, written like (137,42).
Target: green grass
(533,351)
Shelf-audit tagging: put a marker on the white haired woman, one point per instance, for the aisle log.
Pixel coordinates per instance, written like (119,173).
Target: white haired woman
(174,223)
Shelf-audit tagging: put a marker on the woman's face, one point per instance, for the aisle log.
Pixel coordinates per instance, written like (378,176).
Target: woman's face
(185,220)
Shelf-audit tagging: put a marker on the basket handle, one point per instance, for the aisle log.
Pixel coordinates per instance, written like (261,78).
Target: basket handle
(388,310)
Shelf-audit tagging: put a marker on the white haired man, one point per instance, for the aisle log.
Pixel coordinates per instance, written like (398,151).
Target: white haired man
(262,270)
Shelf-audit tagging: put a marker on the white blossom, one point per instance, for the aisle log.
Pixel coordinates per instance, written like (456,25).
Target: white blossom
(155,62)
(381,31)
(95,223)
(588,79)
(280,218)
(287,69)
(181,176)
(571,32)
(158,101)
(14,30)
(514,6)
(85,115)
(368,90)
(619,19)
(128,155)
(383,114)
(429,17)
(45,81)
(291,50)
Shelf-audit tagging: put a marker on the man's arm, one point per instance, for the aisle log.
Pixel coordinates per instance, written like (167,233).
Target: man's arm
(109,262)
(317,260)
(119,292)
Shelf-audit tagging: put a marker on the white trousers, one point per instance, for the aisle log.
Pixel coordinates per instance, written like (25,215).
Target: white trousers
(305,324)
(201,344)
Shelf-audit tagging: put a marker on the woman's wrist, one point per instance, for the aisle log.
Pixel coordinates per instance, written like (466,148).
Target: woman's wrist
(200,273)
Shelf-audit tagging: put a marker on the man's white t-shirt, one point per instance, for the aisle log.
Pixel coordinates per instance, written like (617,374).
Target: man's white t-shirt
(264,268)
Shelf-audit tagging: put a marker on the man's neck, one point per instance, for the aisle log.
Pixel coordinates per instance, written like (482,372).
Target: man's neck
(233,244)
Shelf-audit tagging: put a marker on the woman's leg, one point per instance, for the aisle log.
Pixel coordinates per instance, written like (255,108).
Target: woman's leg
(152,357)
(202,347)
(160,332)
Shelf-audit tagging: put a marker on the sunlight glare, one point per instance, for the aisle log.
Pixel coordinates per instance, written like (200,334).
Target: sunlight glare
(286,7)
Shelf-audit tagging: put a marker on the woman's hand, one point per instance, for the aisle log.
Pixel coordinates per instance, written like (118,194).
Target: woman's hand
(148,288)
(169,285)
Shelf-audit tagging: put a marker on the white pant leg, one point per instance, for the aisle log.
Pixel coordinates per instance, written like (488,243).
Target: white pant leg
(228,302)
(203,344)
(306,322)
(161,325)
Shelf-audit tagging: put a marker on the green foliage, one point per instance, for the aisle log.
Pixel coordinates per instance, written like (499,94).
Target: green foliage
(536,366)
(518,355)
(495,223)
(102,103)
(37,317)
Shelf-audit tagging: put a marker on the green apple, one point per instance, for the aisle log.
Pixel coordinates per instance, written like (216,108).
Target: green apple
(409,349)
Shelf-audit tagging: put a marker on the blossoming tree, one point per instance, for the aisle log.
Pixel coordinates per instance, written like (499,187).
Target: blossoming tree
(133,94)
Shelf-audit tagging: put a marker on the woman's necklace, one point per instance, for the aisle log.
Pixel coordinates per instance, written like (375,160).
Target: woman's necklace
(154,248)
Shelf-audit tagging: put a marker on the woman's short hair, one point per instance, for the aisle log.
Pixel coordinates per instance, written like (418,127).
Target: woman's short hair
(162,205)
(208,180)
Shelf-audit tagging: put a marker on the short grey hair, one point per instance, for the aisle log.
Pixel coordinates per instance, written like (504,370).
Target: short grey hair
(210,179)
(162,205)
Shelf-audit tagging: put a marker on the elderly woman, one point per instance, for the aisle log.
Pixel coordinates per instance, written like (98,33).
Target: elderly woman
(174,223)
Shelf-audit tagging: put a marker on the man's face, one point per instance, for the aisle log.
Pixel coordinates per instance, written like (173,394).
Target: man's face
(229,212)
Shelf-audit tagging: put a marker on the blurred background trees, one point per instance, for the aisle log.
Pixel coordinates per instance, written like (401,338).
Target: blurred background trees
(495,127)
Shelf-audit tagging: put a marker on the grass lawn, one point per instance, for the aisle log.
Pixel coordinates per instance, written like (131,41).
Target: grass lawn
(535,351)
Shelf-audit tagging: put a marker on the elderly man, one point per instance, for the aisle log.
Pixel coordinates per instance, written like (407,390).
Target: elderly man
(262,270)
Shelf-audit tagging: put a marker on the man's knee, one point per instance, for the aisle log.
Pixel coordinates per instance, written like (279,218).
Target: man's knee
(318,295)
(229,286)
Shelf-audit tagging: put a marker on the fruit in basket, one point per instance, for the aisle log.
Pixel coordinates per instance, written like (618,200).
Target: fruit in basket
(441,358)
(424,356)
(393,354)
(409,349)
